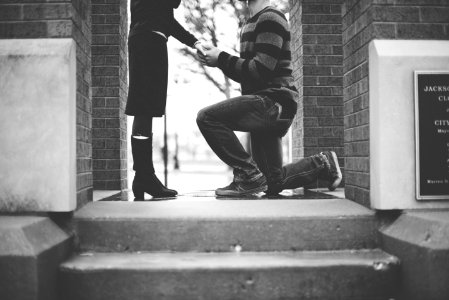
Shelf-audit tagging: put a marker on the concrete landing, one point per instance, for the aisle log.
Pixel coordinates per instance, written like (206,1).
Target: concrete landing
(295,194)
(208,224)
(210,207)
(282,275)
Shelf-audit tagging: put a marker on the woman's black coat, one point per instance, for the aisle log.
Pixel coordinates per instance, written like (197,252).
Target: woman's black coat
(147,50)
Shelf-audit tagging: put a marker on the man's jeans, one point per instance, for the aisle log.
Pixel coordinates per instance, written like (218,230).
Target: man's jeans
(261,117)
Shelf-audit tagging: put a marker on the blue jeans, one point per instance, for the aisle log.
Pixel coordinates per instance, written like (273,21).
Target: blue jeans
(260,116)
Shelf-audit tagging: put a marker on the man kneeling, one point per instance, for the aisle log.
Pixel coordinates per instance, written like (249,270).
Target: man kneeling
(266,110)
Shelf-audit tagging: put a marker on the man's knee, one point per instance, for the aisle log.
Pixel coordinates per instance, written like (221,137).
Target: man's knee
(201,116)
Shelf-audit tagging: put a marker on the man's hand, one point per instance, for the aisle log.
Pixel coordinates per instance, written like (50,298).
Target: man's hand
(211,56)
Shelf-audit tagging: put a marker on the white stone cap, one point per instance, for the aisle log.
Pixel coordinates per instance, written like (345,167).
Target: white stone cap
(36,47)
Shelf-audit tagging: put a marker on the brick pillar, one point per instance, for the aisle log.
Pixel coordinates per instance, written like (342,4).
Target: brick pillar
(109,89)
(63,19)
(318,68)
(364,21)
(296,45)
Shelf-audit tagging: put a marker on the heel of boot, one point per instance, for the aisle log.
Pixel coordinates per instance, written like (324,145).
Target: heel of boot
(139,192)
(139,196)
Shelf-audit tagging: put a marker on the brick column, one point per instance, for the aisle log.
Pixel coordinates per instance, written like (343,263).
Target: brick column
(297,62)
(109,88)
(63,19)
(364,21)
(318,68)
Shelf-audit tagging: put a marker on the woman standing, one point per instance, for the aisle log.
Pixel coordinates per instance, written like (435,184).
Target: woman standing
(152,22)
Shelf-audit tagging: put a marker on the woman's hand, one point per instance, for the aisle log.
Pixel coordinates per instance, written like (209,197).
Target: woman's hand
(199,48)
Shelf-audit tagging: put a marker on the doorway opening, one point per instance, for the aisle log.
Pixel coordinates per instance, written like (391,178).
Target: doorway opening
(182,158)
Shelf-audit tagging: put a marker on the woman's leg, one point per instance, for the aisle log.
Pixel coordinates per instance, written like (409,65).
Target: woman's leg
(142,127)
(142,138)
(145,180)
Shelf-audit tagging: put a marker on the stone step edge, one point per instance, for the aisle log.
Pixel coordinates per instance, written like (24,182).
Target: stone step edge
(223,235)
(167,261)
(222,210)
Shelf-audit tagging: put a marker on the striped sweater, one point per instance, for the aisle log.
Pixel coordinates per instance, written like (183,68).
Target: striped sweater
(264,65)
(265,57)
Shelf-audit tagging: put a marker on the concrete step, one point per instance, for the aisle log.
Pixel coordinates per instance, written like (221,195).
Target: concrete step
(348,275)
(211,225)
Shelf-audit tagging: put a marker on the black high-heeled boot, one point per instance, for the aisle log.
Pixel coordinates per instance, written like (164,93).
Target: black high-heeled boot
(145,181)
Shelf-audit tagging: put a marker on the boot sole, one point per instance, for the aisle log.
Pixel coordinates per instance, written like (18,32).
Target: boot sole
(259,189)
(154,199)
(339,177)
(139,195)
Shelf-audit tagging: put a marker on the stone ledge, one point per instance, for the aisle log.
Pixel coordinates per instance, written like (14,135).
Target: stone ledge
(38,121)
(31,249)
(392,123)
(421,241)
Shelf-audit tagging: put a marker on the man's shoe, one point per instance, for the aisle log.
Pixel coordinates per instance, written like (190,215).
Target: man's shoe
(333,175)
(243,188)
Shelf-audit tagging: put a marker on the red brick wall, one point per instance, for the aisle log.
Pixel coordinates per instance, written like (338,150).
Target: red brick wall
(62,19)
(109,88)
(318,70)
(363,21)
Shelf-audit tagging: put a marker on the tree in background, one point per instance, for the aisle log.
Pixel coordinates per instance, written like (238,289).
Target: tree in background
(217,22)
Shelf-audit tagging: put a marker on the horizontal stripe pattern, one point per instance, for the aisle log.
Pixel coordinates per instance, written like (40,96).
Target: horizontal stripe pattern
(265,55)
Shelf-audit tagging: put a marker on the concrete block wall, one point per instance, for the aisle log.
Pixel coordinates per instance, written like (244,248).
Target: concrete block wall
(63,19)
(318,71)
(109,85)
(363,21)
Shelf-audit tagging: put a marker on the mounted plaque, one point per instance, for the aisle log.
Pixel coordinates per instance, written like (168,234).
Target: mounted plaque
(432,134)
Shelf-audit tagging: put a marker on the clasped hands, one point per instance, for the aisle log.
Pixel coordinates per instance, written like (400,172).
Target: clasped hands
(208,55)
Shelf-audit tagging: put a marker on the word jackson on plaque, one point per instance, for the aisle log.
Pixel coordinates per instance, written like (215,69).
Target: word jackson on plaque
(432,134)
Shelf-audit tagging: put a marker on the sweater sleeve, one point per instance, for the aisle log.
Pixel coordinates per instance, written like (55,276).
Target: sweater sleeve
(271,31)
(182,35)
